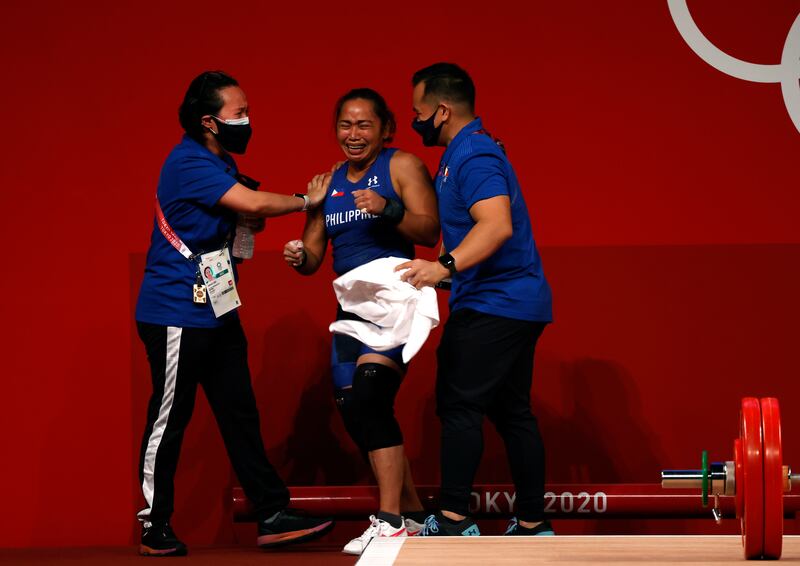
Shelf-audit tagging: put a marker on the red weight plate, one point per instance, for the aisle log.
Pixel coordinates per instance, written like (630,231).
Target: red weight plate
(753,511)
(773,477)
(738,457)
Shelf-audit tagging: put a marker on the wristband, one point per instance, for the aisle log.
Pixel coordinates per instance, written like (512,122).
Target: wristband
(306,201)
(393,211)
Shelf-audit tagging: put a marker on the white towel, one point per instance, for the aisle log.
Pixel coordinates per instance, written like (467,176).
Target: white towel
(398,312)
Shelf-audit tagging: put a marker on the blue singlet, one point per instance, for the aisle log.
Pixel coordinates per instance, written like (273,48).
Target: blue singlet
(356,237)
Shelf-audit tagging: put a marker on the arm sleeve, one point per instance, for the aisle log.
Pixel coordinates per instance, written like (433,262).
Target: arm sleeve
(481,177)
(202,180)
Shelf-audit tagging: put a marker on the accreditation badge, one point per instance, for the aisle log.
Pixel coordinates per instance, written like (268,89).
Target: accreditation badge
(217,272)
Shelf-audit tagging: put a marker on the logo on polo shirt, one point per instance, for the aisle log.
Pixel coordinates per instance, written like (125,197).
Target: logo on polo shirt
(444,172)
(372,183)
(335,193)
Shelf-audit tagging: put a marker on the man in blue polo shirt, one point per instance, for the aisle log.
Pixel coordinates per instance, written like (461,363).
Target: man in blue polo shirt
(500,303)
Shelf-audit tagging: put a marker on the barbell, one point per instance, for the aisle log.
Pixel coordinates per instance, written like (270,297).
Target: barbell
(755,487)
(756,478)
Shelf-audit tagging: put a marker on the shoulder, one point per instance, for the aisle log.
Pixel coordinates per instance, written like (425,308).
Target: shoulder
(484,161)
(486,143)
(188,152)
(402,162)
(408,170)
(188,146)
(477,146)
(188,160)
(340,172)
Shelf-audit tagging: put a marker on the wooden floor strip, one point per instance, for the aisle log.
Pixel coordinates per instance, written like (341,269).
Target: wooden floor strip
(384,553)
(564,551)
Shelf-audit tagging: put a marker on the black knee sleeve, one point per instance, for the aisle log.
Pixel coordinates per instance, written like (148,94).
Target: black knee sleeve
(350,417)
(374,389)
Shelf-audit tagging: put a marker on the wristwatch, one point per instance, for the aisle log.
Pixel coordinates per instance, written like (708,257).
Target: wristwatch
(306,201)
(449,262)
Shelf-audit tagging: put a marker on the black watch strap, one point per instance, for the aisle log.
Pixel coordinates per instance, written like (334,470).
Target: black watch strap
(449,262)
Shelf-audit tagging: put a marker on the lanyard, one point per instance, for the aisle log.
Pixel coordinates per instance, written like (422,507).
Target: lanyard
(170,234)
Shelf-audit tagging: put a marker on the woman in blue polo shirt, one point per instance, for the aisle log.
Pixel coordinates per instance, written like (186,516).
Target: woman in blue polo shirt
(380,203)
(189,324)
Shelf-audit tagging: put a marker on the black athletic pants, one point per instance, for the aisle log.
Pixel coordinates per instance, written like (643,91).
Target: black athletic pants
(216,358)
(485,367)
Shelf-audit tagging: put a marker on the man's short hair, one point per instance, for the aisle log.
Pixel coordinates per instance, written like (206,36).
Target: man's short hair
(447,81)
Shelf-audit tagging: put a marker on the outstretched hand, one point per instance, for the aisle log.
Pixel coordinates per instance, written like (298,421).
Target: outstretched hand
(318,188)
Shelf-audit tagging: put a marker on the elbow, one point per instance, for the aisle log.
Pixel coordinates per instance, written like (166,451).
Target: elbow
(308,272)
(429,235)
(308,269)
(260,204)
(504,234)
(430,240)
(253,208)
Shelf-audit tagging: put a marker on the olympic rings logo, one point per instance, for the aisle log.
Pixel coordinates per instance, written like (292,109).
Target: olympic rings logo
(787,72)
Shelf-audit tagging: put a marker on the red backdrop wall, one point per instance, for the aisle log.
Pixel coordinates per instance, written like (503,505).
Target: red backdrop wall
(663,195)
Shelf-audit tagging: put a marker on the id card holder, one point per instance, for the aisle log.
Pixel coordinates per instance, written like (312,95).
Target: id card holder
(217,273)
(199,290)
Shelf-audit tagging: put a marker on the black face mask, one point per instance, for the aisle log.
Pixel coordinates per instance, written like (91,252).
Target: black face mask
(233,137)
(426,129)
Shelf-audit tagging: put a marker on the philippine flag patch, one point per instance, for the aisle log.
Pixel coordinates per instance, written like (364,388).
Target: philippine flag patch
(336,193)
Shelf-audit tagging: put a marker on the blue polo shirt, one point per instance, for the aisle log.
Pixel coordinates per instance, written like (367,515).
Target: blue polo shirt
(191,183)
(511,282)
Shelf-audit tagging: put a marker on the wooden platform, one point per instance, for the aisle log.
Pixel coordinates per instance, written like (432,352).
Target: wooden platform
(563,550)
(299,555)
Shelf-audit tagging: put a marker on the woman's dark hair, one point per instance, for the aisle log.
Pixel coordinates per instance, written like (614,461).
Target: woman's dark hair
(202,98)
(379,106)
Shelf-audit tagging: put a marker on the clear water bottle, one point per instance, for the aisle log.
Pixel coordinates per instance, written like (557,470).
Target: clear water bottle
(245,240)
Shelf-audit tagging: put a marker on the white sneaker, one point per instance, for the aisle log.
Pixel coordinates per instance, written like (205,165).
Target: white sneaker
(412,527)
(377,528)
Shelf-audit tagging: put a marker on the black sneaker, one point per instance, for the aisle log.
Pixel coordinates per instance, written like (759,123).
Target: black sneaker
(288,527)
(438,525)
(543,529)
(159,540)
